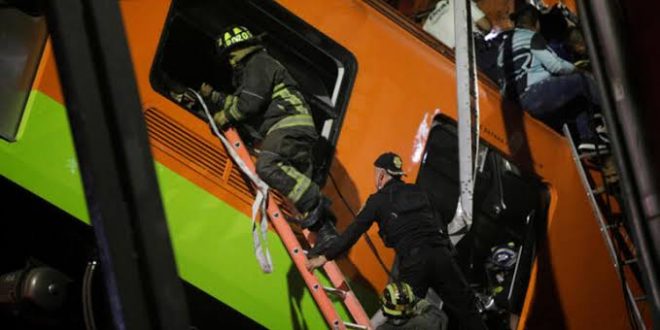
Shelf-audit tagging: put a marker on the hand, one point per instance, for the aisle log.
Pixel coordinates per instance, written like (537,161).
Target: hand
(582,65)
(315,262)
(186,99)
(221,120)
(205,90)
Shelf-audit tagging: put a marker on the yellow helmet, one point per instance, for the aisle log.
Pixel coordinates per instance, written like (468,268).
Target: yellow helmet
(234,37)
(398,300)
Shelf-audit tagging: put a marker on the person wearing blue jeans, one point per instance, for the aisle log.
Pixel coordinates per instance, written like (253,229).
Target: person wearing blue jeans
(543,83)
(543,99)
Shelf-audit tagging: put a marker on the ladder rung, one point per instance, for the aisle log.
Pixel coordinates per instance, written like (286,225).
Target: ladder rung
(339,292)
(640,298)
(599,190)
(355,326)
(289,239)
(630,261)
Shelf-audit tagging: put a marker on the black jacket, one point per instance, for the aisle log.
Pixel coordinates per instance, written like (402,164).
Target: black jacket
(265,95)
(405,219)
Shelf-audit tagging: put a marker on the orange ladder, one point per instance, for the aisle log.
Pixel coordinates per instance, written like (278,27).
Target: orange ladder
(340,288)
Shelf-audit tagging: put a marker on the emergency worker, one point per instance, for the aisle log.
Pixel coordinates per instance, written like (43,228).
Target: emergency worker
(404,311)
(407,223)
(268,105)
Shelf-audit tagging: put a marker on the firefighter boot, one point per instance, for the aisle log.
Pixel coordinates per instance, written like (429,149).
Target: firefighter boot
(323,226)
(326,233)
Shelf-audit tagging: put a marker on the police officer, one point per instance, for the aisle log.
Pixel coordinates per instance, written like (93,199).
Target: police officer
(404,311)
(407,223)
(268,105)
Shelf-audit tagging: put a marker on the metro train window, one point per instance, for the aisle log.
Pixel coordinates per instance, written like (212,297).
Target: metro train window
(509,216)
(22,37)
(431,21)
(324,70)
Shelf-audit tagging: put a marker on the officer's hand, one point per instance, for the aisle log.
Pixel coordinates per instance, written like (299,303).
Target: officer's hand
(205,90)
(315,262)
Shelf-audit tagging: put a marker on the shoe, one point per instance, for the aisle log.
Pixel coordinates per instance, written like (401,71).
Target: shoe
(325,236)
(485,303)
(601,131)
(312,217)
(590,149)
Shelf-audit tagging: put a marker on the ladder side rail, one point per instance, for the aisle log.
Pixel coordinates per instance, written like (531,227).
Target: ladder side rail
(604,229)
(592,200)
(298,256)
(278,221)
(338,280)
(290,241)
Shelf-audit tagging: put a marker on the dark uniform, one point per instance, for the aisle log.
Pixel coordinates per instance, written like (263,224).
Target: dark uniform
(268,105)
(407,223)
(425,317)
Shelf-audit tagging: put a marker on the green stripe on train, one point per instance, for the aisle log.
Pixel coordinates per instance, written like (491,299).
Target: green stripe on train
(212,241)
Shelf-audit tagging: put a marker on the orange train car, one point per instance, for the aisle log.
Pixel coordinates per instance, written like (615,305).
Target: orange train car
(376,82)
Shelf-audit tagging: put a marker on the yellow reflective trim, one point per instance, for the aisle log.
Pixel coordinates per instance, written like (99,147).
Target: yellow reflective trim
(291,121)
(281,93)
(291,98)
(233,110)
(302,182)
(390,289)
(220,118)
(231,106)
(408,290)
(392,312)
(278,87)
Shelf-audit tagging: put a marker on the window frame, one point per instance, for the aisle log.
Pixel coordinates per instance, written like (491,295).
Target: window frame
(29,70)
(417,31)
(537,229)
(347,62)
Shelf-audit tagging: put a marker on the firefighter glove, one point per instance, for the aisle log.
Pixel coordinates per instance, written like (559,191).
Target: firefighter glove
(205,90)
(221,120)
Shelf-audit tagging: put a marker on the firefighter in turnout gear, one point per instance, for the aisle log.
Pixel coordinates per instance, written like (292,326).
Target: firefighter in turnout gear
(269,107)
(407,223)
(405,311)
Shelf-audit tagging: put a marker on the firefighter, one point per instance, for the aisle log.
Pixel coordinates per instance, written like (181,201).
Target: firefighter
(407,223)
(268,105)
(404,311)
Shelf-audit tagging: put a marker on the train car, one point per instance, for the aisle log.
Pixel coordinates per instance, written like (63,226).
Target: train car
(376,82)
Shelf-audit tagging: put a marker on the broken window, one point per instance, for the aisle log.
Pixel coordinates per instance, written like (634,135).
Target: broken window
(509,215)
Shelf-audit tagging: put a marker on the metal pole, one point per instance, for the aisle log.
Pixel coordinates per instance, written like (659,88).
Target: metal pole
(117,169)
(466,95)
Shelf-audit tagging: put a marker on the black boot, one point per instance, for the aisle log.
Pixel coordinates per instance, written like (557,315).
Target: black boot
(325,235)
(311,218)
(320,220)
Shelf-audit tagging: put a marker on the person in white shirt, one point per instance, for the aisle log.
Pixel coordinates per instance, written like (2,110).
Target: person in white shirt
(440,22)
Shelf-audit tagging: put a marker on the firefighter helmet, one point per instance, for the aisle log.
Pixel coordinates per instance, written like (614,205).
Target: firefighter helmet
(234,37)
(398,300)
